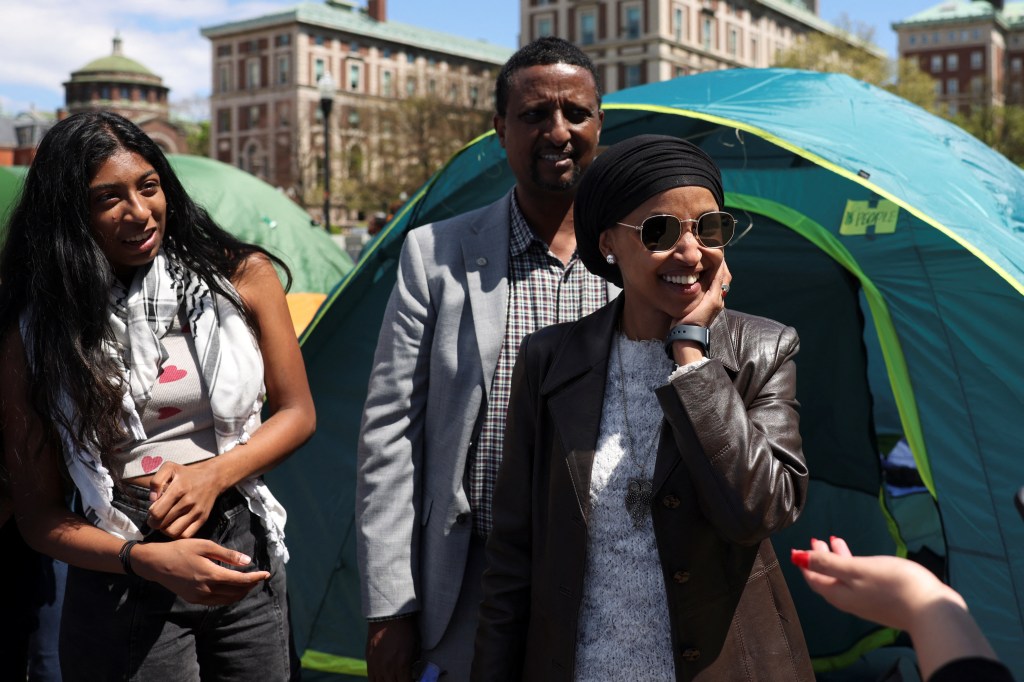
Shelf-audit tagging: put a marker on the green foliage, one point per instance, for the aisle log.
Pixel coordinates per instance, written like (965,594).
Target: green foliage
(198,138)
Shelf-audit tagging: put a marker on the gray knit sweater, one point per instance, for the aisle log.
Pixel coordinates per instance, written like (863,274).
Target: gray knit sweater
(624,631)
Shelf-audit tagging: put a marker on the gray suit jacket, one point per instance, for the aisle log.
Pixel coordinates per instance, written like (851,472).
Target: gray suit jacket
(436,355)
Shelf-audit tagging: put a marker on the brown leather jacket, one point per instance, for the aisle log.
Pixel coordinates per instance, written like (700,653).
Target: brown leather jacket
(729,473)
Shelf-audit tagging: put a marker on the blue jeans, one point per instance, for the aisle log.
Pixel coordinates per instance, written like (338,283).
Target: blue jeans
(117,627)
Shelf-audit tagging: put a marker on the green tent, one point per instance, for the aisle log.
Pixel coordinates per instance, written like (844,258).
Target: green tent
(889,238)
(253,211)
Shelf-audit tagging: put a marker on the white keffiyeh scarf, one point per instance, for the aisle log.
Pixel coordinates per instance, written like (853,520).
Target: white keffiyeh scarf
(229,361)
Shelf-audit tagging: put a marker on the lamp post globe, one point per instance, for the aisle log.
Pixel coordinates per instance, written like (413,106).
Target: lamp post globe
(326,87)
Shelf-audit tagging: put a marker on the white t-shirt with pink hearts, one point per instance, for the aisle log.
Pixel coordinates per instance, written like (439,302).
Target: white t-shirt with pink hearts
(177,420)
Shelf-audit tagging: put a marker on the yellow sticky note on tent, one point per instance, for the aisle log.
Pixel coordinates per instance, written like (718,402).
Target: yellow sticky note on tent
(861,217)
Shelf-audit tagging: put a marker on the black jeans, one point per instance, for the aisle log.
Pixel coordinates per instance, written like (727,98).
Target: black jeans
(117,627)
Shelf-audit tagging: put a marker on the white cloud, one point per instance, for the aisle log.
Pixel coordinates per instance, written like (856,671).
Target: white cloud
(43,41)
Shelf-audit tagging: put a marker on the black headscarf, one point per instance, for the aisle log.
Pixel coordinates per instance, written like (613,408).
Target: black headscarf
(626,175)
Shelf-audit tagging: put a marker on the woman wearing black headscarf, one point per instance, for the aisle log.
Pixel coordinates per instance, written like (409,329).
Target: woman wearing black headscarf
(651,450)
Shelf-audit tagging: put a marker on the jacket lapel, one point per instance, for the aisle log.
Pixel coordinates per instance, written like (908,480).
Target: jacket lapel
(485,257)
(575,390)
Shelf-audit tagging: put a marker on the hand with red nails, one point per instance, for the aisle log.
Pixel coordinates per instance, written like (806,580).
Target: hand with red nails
(897,593)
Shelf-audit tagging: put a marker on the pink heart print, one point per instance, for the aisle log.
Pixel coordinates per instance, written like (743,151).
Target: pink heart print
(172,373)
(151,464)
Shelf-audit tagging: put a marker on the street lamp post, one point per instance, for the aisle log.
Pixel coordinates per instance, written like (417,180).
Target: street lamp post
(326,86)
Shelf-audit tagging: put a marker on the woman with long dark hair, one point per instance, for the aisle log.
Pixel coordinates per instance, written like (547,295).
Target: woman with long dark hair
(139,341)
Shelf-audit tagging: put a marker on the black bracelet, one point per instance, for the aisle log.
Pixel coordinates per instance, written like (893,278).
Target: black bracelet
(687,332)
(125,556)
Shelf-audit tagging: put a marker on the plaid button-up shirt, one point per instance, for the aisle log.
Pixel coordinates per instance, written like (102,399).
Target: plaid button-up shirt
(541,291)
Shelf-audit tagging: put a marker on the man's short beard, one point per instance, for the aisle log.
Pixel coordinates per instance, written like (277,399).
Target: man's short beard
(571,183)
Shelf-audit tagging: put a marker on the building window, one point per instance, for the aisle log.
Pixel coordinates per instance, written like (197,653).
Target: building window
(474,96)
(223,77)
(936,63)
(410,58)
(976,60)
(1015,65)
(543,26)
(223,120)
(912,39)
(588,28)
(963,36)
(753,51)
(631,19)
(677,24)
(938,88)
(385,84)
(252,73)
(318,40)
(410,87)
(935,38)
(223,50)
(924,38)
(318,70)
(354,74)
(353,46)
(952,86)
(952,62)
(976,34)
(432,87)
(105,92)
(254,117)
(284,67)
(282,39)
(733,39)
(707,32)
(952,36)
(634,75)
(386,53)
(977,85)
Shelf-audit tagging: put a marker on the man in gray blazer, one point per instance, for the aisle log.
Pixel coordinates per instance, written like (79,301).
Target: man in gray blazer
(469,288)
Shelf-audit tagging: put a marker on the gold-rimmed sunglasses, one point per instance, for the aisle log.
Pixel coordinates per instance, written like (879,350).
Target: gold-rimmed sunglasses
(712,230)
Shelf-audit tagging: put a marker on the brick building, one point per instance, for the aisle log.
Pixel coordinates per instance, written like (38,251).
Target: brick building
(120,84)
(643,41)
(265,113)
(973,49)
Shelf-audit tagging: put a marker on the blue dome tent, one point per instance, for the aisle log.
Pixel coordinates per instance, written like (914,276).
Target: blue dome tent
(891,239)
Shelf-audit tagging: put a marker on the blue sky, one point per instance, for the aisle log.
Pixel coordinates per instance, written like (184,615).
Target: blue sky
(43,41)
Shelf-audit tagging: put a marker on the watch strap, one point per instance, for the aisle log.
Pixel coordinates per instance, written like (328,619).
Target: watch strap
(688,332)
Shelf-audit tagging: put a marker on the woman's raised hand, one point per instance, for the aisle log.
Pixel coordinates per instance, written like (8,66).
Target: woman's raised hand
(186,568)
(713,300)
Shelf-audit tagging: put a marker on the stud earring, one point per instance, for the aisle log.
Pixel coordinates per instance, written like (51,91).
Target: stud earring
(611,259)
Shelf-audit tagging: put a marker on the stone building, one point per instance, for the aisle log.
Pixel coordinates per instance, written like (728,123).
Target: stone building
(633,42)
(265,104)
(973,49)
(123,85)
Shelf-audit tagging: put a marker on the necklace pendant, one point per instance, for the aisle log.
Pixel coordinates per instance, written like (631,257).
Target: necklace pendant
(638,499)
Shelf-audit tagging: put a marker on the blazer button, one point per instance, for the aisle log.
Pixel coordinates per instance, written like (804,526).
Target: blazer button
(462,519)
(681,577)
(481,261)
(691,655)
(670,501)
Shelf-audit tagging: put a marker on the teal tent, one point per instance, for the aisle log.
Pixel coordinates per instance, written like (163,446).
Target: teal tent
(889,238)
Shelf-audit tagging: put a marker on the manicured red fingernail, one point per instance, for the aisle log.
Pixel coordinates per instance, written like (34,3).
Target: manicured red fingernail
(801,558)
(831,539)
(813,540)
